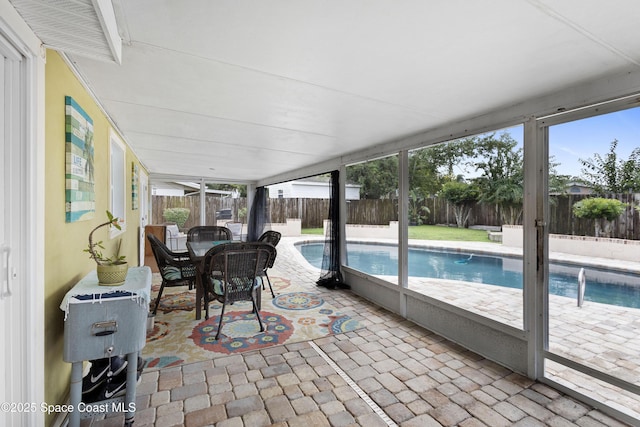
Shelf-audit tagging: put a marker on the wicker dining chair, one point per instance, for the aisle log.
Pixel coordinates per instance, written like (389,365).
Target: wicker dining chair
(208,233)
(232,273)
(176,268)
(271,237)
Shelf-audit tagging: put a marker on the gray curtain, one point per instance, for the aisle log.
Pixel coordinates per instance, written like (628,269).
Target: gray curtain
(258,215)
(330,275)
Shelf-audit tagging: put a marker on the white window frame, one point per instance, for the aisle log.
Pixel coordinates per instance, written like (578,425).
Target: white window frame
(117,182)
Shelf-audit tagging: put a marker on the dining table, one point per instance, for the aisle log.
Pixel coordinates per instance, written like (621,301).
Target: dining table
(197,251)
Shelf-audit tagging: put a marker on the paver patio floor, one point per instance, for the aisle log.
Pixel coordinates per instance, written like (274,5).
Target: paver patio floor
(390,372)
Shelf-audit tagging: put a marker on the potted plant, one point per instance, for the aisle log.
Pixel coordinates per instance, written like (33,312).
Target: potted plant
(112,271)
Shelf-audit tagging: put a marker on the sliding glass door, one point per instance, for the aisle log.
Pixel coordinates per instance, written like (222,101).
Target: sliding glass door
(593,293)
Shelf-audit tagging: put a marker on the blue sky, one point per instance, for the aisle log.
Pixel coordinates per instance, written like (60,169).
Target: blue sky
(581,139)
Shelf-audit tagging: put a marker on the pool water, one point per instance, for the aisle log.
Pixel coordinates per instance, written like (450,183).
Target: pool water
(603,286)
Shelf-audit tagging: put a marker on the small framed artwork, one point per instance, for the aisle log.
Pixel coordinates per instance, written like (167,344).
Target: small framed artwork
(80,200)
(134,186)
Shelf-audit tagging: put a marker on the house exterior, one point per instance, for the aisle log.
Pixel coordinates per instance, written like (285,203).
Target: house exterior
(162,188)
(309,189)
(577,188)
(574,188)
(167,189)
(46,251)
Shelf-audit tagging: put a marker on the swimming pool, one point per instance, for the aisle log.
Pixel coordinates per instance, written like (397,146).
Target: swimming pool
(603,286)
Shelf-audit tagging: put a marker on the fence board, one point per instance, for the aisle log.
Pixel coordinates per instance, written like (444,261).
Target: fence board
(312,213)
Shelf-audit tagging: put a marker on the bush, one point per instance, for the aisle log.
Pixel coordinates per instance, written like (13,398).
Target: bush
(598,208)
(177,215)
(463,196)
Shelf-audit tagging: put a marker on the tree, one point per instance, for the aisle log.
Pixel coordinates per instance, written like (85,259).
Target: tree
(427,171)
(557,182)
(377,178)
(598,208)
(609,174)
(417,211)
(453,153)
(424,178)
(502,179)
(463,196)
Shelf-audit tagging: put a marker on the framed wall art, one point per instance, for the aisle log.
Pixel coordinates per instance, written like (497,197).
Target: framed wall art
(80,201)
(134,186)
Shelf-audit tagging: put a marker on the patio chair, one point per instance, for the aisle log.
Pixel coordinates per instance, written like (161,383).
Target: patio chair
(236,229)
(208,233)
(175,268)
(233,274)
(271,237)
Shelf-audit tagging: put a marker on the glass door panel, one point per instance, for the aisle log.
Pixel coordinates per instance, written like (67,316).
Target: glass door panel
(594,256)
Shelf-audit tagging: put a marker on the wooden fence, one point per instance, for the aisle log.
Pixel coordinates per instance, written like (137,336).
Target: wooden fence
(312,212)
(213,204)
(562,221)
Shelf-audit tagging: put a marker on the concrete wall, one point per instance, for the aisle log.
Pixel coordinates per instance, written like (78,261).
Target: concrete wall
(597,247)
(371,231)
(293,227)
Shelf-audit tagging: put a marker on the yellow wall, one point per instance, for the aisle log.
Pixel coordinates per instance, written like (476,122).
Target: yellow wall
(65,261)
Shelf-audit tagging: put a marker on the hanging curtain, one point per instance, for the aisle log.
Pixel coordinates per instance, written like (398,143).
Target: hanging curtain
(258,215)
(330,275)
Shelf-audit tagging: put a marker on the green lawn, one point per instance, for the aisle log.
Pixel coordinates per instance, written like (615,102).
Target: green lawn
(312,231)
(438,232)
(433,232)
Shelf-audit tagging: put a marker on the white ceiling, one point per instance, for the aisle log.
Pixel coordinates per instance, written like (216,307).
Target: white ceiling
(241,91)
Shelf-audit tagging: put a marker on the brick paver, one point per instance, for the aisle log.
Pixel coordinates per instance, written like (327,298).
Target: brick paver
(416,377)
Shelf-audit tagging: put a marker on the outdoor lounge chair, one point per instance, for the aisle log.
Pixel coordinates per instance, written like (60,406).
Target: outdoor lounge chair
(175,268)
(174,238)
(232,273)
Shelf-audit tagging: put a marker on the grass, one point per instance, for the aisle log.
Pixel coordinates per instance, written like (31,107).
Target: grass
(433,232)
(312,231)
(439,232)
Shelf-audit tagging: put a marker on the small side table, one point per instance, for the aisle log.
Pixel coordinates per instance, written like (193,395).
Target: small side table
(101,322)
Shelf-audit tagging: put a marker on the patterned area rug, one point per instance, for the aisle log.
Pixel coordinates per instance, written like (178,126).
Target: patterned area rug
(293,316)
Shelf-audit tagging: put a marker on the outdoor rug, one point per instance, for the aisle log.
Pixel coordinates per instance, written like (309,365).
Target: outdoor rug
(295,315)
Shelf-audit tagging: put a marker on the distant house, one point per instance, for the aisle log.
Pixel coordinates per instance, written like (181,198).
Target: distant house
(309,189)
(576,188)
(167,189)
(185,189)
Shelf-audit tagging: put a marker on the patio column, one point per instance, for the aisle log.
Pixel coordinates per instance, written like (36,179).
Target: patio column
(343,215)
(251,192)
(403,228)
(203,202)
